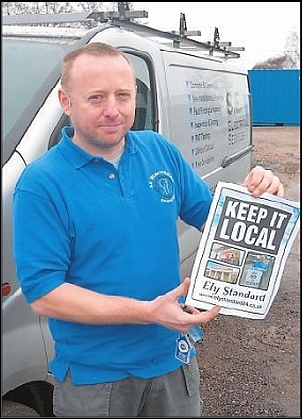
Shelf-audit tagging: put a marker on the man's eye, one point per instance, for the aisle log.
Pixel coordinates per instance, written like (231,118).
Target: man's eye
(96,98)
(124,95)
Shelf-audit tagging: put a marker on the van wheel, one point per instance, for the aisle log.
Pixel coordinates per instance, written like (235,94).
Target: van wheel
(14,409)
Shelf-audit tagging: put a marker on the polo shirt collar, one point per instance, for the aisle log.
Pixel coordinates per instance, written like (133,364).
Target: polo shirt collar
(78,157)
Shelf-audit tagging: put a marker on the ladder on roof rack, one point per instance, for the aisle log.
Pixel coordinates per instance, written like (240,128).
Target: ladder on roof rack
(122,18)
(181,40)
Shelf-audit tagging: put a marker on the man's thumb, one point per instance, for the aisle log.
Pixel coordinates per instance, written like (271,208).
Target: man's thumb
(182,289)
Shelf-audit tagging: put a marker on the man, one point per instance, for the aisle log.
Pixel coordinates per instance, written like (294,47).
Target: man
(101,257)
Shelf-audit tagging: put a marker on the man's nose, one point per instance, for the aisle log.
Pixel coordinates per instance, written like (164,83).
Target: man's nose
(111,106)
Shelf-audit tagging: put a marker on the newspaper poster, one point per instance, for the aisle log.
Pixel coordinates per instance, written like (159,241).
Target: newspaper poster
(242,251)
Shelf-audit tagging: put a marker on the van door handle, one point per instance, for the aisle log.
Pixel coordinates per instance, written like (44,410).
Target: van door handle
(228,160)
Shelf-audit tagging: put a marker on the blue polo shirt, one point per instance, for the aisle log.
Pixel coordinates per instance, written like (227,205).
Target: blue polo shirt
(78,219)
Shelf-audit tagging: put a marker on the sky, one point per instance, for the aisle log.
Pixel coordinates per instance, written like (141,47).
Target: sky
(260,27)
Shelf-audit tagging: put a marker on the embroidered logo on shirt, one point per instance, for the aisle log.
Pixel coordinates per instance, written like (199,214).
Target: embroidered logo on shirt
(162,182)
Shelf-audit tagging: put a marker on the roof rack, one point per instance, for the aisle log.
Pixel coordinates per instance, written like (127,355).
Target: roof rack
(122,18)
(181,40)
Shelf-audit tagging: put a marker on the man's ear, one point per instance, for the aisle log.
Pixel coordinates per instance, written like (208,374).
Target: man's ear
(64,101)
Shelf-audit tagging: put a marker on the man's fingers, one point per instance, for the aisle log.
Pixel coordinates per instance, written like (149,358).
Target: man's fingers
(210,314)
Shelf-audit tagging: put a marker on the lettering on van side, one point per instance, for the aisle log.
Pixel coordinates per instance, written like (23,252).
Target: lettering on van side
(201,137)
(200,150)
(206,110)
(203,162)
(199,85)
(206,98)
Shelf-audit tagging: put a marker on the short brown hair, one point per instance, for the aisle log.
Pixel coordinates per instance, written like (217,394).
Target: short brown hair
(93,48)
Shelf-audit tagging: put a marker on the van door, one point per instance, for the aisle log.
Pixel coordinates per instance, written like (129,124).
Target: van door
(208,105)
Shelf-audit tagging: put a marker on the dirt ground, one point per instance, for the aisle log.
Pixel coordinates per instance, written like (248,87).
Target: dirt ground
(251,368)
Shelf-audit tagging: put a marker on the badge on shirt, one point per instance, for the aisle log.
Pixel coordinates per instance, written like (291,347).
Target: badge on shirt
(183,348)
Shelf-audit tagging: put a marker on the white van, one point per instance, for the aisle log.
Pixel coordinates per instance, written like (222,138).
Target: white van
(193,93)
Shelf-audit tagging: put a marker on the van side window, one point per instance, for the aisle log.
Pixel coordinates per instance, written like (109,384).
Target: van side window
(56,133)
(144,114)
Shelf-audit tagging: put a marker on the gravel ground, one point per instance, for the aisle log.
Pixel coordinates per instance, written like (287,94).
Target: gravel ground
(251,368)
